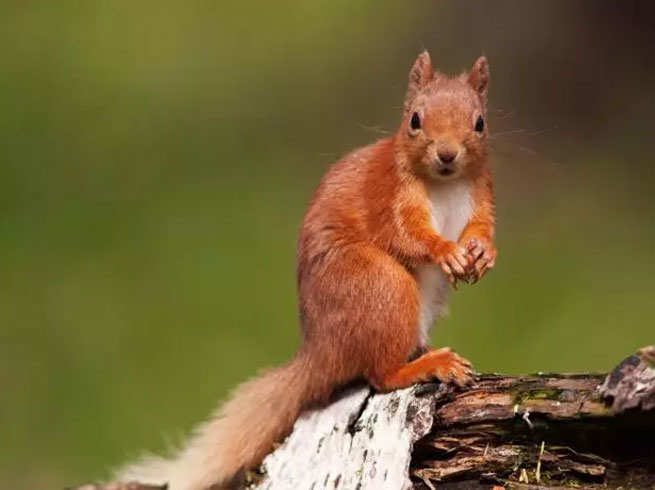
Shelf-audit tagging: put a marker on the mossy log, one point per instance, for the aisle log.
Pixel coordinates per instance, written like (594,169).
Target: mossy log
(546,431)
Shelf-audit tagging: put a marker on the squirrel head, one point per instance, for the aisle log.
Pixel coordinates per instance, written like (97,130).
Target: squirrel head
(443,134)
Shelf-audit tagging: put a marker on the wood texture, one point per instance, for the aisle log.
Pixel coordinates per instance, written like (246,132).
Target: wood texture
(546,431)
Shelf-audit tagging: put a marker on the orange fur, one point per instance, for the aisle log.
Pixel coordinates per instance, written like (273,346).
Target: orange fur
(369,228)
(441,364)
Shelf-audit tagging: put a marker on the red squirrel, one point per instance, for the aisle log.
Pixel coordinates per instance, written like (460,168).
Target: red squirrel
(389,227)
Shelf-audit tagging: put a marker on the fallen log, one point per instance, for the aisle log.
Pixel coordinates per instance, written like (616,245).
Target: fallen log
(529,432)
(544,431)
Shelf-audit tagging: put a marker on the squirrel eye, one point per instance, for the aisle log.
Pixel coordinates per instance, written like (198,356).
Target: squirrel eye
(479,124)
(415,123)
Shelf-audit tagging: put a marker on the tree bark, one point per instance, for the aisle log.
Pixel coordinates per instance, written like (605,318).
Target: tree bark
(544,431)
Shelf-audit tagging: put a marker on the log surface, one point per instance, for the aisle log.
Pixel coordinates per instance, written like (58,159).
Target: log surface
(544,431)
(360,441)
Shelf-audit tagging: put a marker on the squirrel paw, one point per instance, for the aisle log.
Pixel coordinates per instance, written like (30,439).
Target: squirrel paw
(481,256)
(453,261)
(441,364)
(448,367)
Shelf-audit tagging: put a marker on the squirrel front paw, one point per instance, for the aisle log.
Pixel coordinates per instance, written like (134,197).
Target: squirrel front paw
(453,261)
(481,256)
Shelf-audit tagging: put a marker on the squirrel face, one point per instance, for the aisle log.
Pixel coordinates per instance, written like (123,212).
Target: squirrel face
(443,134)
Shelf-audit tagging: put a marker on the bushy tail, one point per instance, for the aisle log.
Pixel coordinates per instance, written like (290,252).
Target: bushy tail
(238,436)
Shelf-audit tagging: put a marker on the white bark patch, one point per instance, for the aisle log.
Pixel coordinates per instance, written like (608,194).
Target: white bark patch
(362,441)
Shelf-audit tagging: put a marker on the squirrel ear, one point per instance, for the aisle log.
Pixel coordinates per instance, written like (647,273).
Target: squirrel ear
(419,76)
(479,76)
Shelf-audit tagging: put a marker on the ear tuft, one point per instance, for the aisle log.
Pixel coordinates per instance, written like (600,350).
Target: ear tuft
(479,76)
(419,76)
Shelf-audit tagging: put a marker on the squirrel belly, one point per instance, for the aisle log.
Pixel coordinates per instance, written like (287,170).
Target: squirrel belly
(451,209)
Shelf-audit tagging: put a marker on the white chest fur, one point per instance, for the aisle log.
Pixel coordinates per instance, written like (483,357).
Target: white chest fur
(451,208)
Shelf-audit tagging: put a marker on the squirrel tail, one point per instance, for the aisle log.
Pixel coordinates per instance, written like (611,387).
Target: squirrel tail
(237,437)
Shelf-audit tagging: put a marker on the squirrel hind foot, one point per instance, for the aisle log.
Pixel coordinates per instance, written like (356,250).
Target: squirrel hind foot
(441,364)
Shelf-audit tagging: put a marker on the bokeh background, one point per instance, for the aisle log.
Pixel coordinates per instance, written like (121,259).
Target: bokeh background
(157,157)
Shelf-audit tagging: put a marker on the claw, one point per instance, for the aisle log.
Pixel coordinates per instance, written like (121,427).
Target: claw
(477,252)
(482,261)
(461,258)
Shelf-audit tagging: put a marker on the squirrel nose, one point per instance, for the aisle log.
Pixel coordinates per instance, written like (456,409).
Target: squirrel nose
(447,156)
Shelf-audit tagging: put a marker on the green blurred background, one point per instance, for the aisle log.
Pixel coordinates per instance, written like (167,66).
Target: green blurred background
(157,158)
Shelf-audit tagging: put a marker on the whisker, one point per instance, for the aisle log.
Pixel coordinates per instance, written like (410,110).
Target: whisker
(375,129)
(510,131)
